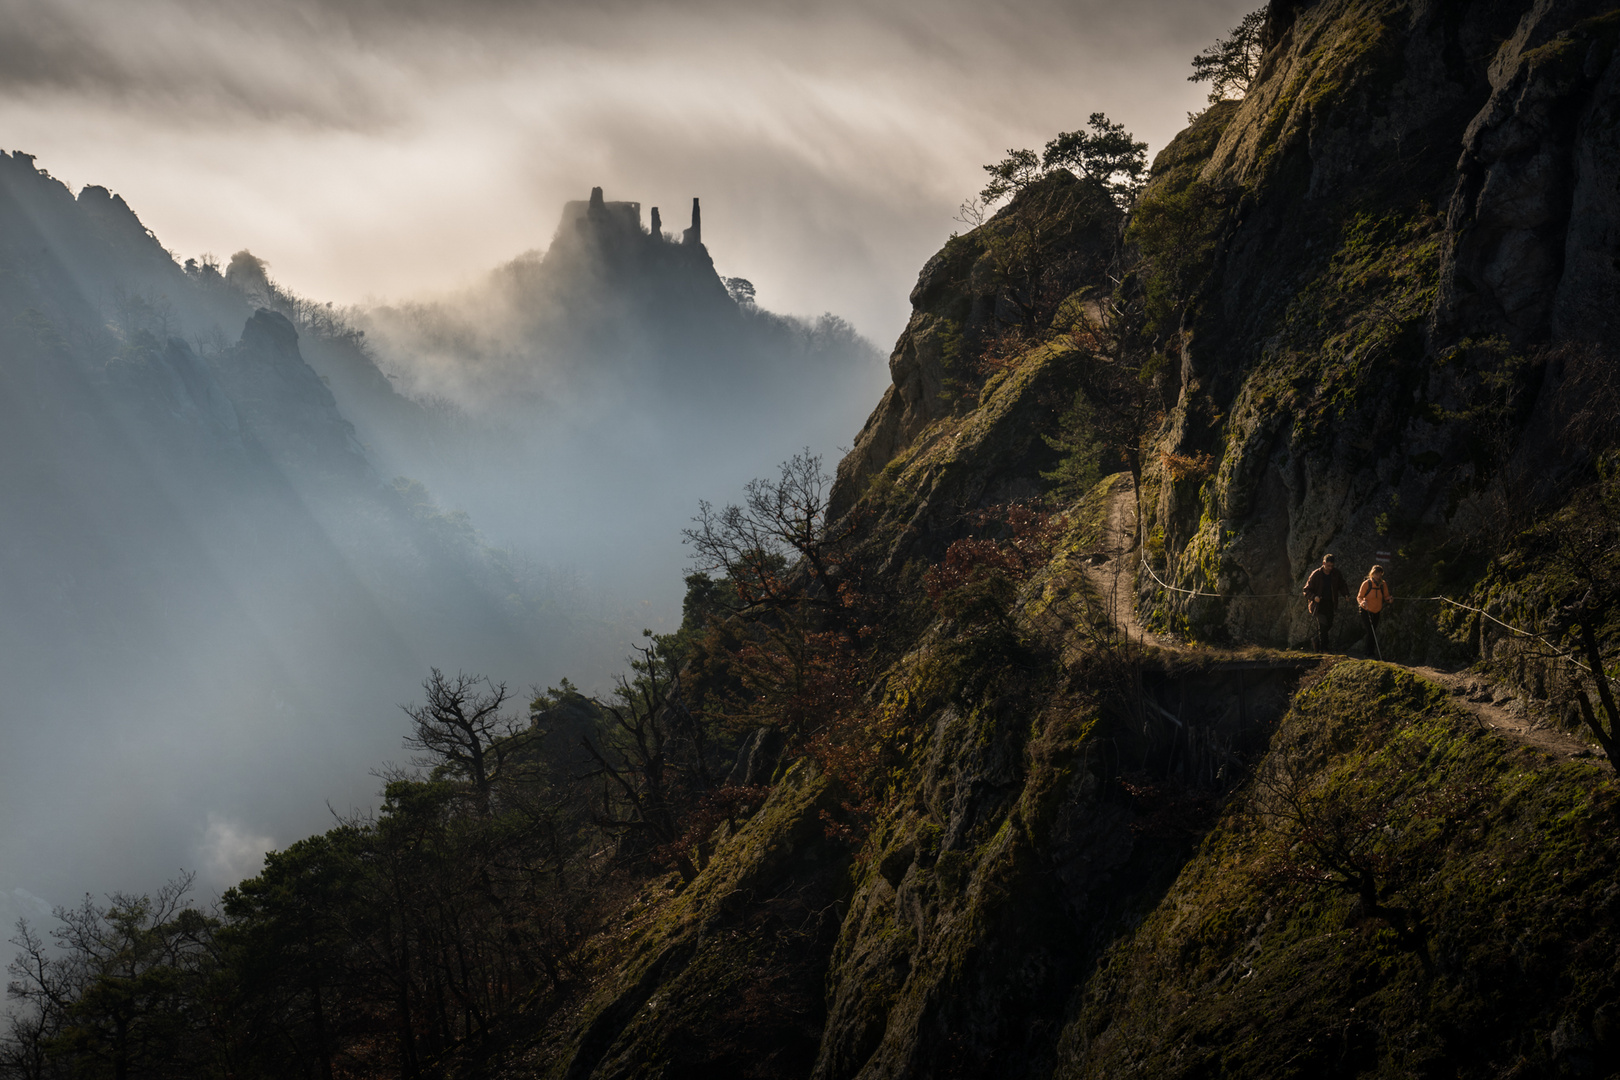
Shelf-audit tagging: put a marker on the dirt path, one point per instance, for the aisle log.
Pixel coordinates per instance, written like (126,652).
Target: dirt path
(1113,567)
(1499,709)
(1112,573)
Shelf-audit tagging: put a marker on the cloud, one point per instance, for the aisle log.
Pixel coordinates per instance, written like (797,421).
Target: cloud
(34,905)
(357,65)
(211,64)
(385,148)
(230,851)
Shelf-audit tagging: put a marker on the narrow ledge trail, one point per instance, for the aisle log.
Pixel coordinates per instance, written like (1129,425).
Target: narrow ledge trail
(1113,575)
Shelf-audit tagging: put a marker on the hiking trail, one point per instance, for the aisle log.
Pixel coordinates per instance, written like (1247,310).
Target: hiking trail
(1112,572)
(1112,569)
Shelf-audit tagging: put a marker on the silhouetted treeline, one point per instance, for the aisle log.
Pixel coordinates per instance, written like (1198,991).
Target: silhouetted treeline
(367,950)
(399,937)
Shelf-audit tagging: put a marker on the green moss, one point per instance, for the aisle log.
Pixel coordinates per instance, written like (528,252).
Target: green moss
(1356,51)
(951,870)
(1507,859)
(1565,55)
(674,970)
(1183,157)
(1350,337)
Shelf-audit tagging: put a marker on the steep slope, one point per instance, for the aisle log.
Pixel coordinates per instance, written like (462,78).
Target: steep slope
(1368,292)
(1397,892)
(960,310)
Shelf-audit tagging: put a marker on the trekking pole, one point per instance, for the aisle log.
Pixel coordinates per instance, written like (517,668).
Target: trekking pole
(1372,627)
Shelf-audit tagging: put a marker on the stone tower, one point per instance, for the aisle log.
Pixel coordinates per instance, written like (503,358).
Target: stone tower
(694,235)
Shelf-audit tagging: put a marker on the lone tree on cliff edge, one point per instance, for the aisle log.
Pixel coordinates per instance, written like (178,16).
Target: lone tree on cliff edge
(1232,62)
(1105,155)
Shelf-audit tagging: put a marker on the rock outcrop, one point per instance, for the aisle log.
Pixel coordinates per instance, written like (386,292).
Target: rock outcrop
(955,317)
(288,407)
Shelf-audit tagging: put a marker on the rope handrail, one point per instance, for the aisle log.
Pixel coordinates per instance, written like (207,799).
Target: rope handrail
(1218,596)
(1523,633)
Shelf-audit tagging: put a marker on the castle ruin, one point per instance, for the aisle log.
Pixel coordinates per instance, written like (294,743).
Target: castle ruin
(619,221)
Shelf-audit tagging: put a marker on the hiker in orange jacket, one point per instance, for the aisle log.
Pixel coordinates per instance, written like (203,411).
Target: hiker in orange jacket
(1322,591)
(1372,598)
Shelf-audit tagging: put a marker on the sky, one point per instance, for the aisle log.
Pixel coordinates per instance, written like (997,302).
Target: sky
(387,150)
(376,150)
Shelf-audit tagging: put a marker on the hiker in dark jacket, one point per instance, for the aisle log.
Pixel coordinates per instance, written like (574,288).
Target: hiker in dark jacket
(1322,591)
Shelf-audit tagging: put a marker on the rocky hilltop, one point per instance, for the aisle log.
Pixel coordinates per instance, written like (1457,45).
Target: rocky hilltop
(614,373)
(612,313)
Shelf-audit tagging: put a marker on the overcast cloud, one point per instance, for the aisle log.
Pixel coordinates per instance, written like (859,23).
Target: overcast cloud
(391,149)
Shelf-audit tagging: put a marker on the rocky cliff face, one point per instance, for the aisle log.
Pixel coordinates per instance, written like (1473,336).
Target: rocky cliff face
(1384,273)
(959,310)
(1416,230)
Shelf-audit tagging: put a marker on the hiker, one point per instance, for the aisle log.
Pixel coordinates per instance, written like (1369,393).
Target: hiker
(1322,591)
(1372,598)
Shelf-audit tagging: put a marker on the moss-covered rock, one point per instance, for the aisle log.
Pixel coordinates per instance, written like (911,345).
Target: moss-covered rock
(1058,235)
(1091,859)
(725,977)
(1258,963)
(1361,368)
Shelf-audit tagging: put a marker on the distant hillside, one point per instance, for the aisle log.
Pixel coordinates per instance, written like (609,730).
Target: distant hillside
(619,372)
(199,549)
(611,314)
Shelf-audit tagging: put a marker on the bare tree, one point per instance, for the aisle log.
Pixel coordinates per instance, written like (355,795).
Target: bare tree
(650,755)
(1583,549)
(40,993)
(118,995)
(1362,835)
(780,529)
(460,730)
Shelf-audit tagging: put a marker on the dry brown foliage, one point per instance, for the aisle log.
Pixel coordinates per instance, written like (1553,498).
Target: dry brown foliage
(1024,544)
(1183,467)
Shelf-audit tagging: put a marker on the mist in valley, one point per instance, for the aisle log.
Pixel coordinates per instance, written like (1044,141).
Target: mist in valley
(589,395)
(242,526)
